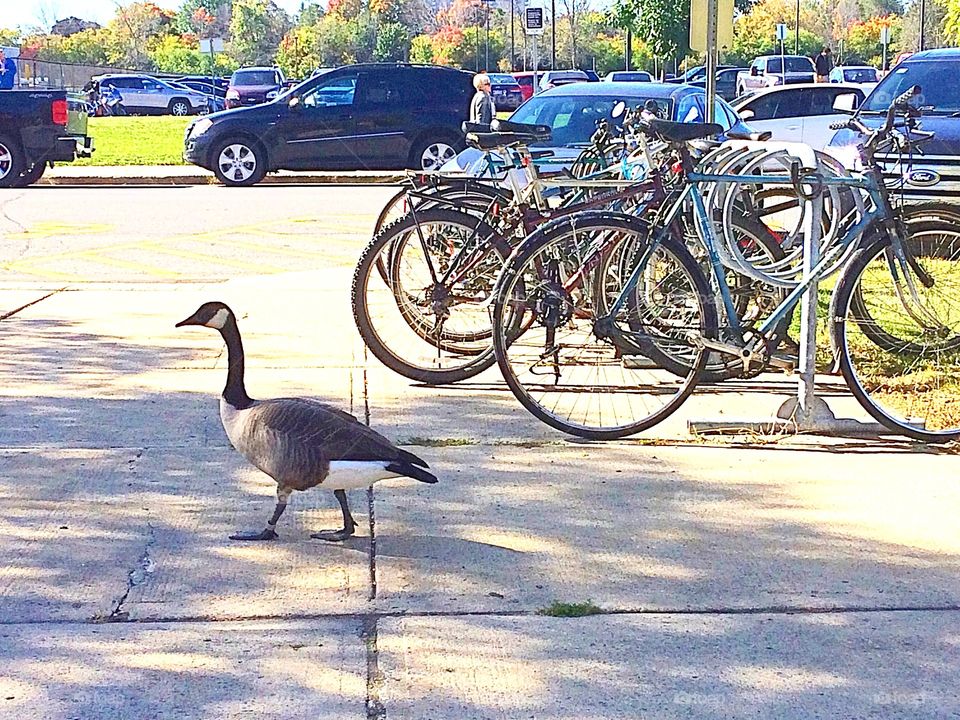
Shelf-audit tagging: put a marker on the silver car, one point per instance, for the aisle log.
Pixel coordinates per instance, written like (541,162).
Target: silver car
(148,96)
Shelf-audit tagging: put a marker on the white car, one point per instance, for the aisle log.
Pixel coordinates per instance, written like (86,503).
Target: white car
(798,113)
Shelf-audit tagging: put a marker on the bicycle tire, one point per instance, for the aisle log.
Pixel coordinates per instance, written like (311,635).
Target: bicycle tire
(914,394)
(385,320)
(527,289)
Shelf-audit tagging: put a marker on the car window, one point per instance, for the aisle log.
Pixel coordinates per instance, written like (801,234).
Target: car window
(794,64)
(822,99)
(378,89)
(690,110)
(574,118)
(721,116)
(255,77)
(331,92)
(149,84)
(940,90)
(777,105)
(860,75)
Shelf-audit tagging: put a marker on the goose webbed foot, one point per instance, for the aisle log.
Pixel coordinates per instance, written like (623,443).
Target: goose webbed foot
(265,534)
(333,535)
(348,522)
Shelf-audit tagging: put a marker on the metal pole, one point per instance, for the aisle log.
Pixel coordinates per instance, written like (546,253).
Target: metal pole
(486,40)
(923,19)
(553,34)
(711,64)
(627,50)
(796,43)
(513,51)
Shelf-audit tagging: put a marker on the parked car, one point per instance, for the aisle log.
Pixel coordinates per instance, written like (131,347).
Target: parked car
(220,83)
(628,76)
(204,86)
(145,95)
(371,116)
(797,113)
(592,76)
(254,85)
(769,70)
(572,112)
(214,103)
(699,72)
(932,175)
(726,83)
(527,83)
(861,74)
(505,91)
(37,128)
(555,78)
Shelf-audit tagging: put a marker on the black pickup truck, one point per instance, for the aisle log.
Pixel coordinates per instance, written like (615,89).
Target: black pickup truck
(37,128)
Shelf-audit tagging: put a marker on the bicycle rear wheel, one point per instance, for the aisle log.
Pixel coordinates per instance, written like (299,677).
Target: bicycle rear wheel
(572,364)
(899,340)
(421,292)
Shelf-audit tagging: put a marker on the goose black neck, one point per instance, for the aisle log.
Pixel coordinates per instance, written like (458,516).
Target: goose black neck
(234,392)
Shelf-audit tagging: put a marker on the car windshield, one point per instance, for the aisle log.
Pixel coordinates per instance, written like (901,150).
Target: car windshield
(860,75)
(573,118)
(794,64)
(940,91)
(502,80)
(255,77)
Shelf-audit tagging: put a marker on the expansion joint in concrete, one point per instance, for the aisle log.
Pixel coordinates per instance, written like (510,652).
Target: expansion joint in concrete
(375,709)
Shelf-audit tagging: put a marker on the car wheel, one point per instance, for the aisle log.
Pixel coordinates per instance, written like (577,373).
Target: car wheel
(12,163)
(30,176)
(239,163)
(432,154)
(179,107)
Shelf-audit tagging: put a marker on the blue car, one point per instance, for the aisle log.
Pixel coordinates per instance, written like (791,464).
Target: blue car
(572,112)
(936,173)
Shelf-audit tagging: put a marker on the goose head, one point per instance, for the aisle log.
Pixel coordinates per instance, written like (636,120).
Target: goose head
(212,315)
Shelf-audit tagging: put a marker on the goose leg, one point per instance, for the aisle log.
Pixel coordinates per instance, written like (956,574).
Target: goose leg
(270,531)
(348,522)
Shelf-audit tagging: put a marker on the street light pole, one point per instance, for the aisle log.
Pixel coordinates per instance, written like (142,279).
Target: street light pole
(923,18)
(513,53)
(553,34)
(796,42)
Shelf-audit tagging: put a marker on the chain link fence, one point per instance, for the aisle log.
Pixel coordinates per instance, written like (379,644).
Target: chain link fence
(59,75)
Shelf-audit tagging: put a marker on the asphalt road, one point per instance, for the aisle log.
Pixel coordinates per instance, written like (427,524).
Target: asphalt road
(180,233)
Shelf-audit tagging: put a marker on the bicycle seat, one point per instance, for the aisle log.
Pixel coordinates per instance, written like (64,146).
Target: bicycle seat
(472,127)
(494,140)
(542,132)
(756,136)
(683,132)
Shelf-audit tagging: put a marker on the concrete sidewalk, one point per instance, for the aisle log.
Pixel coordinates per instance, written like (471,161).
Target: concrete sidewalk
(792,578)
(66,174)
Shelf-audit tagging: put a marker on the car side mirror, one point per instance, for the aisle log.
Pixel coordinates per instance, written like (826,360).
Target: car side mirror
(745,114)
(754,70)
(294,103)
(846,103)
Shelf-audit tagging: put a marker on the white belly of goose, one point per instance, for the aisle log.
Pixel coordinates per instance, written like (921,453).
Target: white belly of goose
(350,474)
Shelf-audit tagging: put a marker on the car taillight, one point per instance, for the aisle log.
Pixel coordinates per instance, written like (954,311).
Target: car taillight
(59,112)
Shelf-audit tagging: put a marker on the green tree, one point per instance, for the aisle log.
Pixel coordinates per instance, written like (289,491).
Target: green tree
(132,29)
(663,25)
(256,29)
(393,43)
(421,49)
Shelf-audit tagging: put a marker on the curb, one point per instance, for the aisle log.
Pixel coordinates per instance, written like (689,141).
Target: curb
(204,179)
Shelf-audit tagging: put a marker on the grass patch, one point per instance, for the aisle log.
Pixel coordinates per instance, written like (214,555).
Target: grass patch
(562,609)
(130,140)
(438,442)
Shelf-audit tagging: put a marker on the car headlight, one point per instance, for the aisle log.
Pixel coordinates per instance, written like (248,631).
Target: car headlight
(200,127)
(233,95)
(271,95)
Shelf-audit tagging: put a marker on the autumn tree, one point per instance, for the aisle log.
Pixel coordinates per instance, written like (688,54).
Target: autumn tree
(256,29)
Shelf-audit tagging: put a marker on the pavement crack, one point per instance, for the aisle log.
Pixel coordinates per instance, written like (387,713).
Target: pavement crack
(375,708)
(138,576)
(11,313)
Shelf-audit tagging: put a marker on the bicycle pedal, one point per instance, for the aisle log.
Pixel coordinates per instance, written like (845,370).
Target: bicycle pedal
(785,362)
(637,362)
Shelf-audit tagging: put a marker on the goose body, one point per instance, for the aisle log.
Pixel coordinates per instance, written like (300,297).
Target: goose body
(299,442)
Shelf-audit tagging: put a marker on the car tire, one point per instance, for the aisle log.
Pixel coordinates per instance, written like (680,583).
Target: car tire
(431,152)
(30,175)
(179,107)
(238,162)
(12,162)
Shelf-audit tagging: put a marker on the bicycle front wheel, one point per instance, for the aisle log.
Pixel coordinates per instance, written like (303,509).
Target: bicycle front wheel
(896,327)
(575,365)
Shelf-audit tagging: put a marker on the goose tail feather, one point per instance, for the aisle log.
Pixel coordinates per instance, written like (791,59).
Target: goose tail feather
(409,457)
(410,470)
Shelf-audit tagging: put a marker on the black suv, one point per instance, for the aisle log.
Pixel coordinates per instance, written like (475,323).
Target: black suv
(373,116)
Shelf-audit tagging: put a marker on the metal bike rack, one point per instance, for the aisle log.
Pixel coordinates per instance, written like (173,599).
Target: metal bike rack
(807,412)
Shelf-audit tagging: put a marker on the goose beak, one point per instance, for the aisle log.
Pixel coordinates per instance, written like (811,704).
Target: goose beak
(192,320)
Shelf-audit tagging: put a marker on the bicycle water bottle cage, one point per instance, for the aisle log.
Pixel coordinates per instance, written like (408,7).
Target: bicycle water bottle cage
(801,176)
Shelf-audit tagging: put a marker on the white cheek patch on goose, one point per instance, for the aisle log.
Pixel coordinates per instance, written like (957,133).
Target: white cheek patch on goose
(219,320)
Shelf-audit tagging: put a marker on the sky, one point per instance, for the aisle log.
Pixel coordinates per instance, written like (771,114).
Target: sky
(25,13)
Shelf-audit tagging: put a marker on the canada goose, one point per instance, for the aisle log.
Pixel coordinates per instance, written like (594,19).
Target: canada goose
(300,443)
